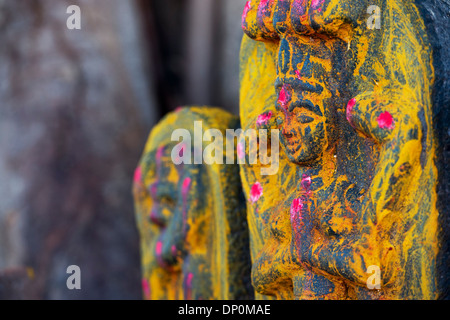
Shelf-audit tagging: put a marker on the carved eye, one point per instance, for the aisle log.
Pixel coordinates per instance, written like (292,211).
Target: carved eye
(280,121)
(257,20)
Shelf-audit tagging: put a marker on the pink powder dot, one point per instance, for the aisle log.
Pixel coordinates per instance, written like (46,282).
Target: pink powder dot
(351,104)
(386,121)
(306,181)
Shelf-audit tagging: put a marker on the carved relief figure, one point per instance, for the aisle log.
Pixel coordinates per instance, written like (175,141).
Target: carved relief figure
(357,181)
(191,217)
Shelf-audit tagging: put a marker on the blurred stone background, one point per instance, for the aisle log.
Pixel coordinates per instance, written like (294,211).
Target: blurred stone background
(76,107)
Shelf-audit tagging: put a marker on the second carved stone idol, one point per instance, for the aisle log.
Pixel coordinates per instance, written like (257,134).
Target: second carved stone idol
(191,217)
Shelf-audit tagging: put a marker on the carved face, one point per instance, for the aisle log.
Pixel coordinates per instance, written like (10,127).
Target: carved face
(308,65)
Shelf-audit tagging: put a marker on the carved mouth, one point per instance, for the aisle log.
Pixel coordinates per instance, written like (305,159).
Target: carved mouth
(306,107)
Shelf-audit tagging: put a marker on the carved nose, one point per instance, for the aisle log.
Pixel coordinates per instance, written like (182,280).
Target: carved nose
(166,253)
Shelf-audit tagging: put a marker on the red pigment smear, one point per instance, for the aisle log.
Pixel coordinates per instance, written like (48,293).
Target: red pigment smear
(186,186)
(300,6)
(240,151)
(146,288)
(137,178)
(299,77)
(386,121)
(264,118)
(159,154)
(155,219)
(174,250)
(296,207)
(158,249)
(263,6)
(256,192)
(297,219)
(315,4)
(184,191)
(351,104)
(247,8)
(188,286)
(181,152)
(154,189)
(283,97)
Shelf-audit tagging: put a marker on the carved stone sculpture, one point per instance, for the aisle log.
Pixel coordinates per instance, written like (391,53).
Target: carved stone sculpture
(356,190)
(191,217)
(355,206)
